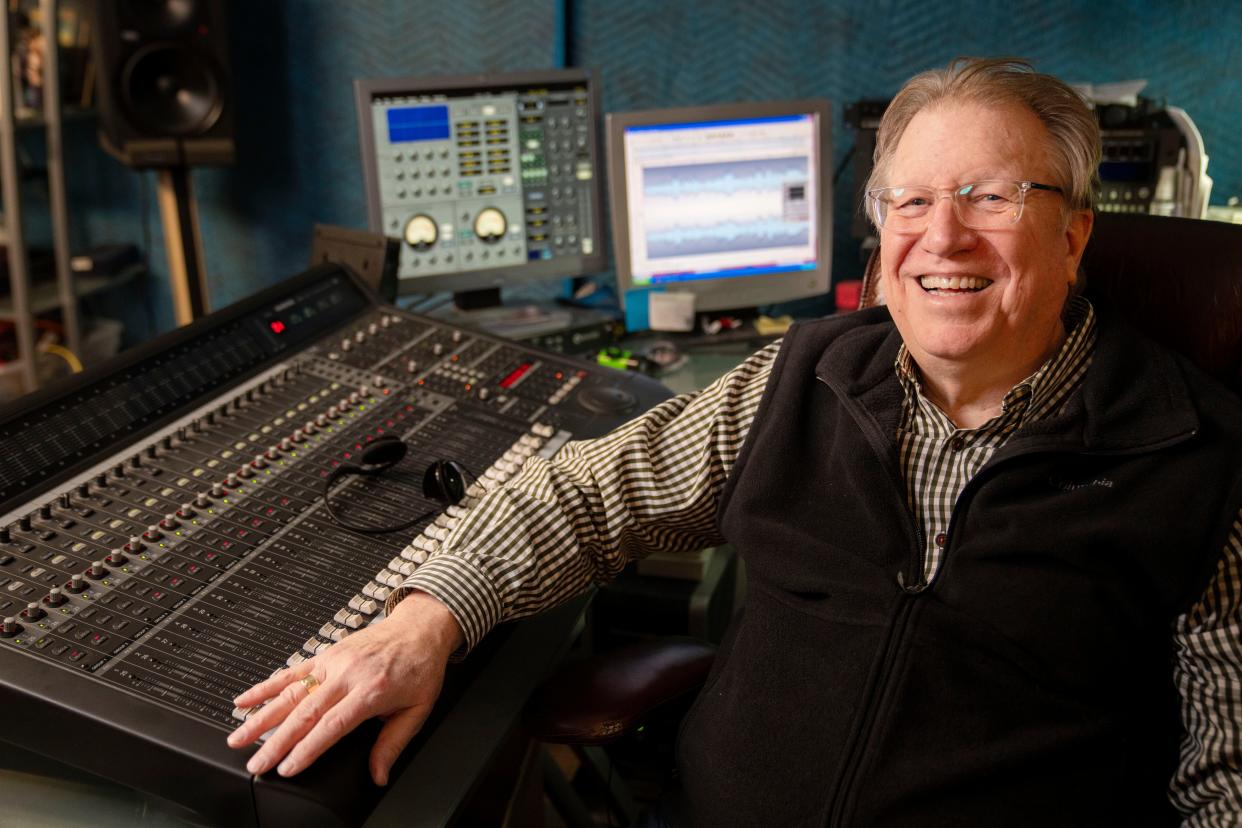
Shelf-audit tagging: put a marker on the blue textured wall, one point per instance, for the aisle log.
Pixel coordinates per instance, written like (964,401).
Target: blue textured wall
(294,61)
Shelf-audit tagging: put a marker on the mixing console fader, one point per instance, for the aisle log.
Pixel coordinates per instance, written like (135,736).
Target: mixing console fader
(164,545)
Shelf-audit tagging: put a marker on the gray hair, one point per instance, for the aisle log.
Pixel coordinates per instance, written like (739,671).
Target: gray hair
(1075,149)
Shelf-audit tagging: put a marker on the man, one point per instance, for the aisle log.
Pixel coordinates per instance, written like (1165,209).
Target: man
(993,538)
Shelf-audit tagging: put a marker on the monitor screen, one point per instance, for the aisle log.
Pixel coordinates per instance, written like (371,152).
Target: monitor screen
(731,202)
(487,180)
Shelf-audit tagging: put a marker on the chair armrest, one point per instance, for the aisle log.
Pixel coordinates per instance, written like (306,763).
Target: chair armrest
(595,701)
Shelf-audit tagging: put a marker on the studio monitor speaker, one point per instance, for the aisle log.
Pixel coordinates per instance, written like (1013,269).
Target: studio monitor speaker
(164,97)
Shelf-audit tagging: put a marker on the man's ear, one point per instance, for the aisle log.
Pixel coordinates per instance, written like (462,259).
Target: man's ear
(1077,233)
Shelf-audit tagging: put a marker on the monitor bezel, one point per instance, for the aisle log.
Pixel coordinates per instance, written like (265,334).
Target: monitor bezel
(366,89)
(734,292)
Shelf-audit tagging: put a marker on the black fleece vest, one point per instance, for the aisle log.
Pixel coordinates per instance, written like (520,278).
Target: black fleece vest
(1030,683)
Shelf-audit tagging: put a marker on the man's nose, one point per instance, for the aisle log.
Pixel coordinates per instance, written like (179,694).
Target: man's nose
(945,233)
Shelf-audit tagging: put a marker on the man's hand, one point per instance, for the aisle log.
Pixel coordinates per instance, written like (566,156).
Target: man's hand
(393,669)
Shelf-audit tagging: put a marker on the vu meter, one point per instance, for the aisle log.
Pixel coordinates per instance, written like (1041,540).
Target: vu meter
(421,232)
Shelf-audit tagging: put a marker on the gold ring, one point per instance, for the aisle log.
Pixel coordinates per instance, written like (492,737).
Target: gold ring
(309,682)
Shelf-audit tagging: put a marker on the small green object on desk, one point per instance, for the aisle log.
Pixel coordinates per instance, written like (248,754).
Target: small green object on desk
(614,357)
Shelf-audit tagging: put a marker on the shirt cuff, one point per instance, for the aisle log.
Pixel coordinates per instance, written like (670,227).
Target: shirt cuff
(461,587)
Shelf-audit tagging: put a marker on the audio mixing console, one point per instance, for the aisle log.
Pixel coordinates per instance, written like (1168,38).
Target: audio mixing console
(163,542)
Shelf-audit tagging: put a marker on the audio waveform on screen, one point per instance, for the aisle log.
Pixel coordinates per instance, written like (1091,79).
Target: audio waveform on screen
(725,207)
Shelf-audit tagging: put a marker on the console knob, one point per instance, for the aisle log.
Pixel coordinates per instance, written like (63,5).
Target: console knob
(346,344)
(11,627)
(202,501)
(287,443)
(45,512)
(245,472)
(411,366)
(116,557)
(102,481)
(385,321)
(76,583)
(373,329)
(55,597)
(167,441)
(230,481)
(23,523)
(273,452)
(437,349)
(182,434)
(217,489)
(5,534)
(259,462)
(298,435)
(456,336)
(170,521)
(119,471)
(135,543)
(332,412)
(136,461)
(97,570)
(84,490)
(484,393)
(186,510)
(153,452)
(360,337)
(354,398)
(33,611)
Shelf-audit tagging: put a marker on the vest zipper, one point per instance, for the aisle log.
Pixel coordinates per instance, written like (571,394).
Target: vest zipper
(847,777)
(911,587)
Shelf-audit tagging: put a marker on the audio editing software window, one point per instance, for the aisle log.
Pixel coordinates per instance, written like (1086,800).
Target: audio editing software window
(721,199)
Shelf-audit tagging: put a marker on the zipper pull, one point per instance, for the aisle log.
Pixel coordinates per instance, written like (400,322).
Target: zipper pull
(911,589)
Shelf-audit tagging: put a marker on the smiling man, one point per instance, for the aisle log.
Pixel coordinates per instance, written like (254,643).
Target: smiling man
(992,536)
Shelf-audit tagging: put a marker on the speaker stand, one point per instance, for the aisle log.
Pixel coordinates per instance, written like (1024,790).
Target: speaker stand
(183,244)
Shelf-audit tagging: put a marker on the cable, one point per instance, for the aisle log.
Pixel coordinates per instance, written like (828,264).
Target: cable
(64,353)
(448,492)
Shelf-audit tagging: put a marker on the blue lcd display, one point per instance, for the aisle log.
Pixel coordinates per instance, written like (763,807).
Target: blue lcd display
(418,123)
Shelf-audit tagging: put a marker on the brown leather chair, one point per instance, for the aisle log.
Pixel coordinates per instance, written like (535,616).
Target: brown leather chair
(1177,280)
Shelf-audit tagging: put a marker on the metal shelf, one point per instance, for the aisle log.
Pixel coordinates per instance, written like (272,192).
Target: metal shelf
(45,296)
(24,302)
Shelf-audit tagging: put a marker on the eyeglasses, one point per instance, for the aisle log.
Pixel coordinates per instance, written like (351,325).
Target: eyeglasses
(980,205)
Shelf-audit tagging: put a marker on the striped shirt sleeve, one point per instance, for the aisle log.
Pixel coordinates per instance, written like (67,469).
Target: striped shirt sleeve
(1207,669)
(577,519)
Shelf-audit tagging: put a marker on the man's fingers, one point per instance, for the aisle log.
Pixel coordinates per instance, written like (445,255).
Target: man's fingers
(296,724)
(397,732)
(282,692)
(267,688)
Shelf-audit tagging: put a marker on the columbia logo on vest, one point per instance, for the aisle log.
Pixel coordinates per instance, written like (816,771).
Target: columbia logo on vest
(1070,485)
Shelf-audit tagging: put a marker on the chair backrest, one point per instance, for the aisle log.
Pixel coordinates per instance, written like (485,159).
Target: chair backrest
(1177,280)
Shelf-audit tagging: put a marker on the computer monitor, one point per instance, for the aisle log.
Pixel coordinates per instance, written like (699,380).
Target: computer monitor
(487,180)
(731,202)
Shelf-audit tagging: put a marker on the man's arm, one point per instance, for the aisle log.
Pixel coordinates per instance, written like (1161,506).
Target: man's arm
(563,524)
(1208,674)
(543,537)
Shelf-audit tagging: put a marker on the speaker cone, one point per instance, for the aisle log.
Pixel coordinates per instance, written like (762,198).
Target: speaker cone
(171,90)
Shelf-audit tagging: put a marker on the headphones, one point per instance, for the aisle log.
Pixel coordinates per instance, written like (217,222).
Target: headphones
(443,481)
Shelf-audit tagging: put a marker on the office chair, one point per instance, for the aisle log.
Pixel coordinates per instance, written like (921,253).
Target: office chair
(1178,281)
